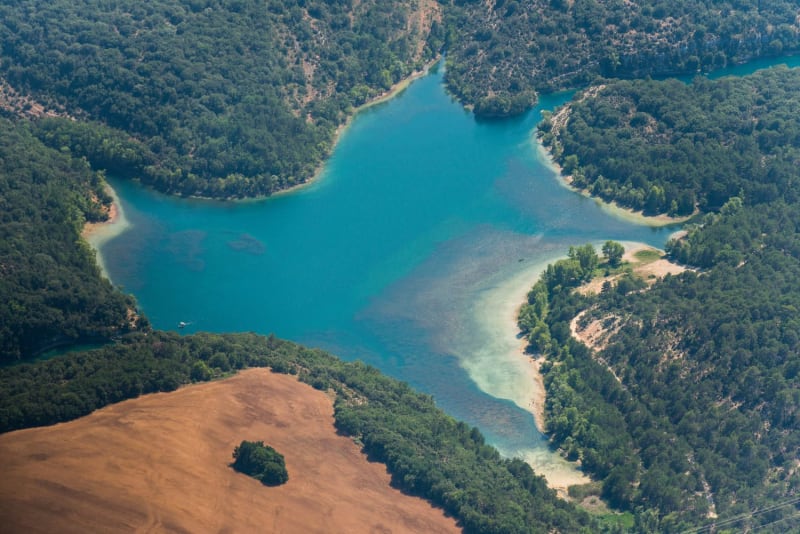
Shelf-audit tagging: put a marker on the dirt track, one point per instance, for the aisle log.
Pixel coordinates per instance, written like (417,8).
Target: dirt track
(160,463)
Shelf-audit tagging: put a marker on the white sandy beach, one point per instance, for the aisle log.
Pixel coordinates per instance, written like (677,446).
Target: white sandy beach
(625,214)
(98,234)
(516,377)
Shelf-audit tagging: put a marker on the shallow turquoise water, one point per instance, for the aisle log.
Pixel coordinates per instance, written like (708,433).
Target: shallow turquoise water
(421,217)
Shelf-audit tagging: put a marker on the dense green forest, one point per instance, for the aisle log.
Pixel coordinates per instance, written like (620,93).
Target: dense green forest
(242,98)
(51,291)
(427,452)
(671,147)
(501,52)
(689,408)
(221,98)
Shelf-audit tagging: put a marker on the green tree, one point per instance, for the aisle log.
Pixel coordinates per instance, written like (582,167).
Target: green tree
(613,251)
(261,462)
(587,258)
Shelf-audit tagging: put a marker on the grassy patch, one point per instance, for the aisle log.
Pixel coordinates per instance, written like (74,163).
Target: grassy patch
(580,491)
(647,255)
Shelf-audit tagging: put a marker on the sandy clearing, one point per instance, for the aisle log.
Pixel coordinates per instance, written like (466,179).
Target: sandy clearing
(160,463)
(658,268)
(92,228)
(649,270)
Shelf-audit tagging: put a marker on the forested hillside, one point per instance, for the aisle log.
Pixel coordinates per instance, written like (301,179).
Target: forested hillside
(243,98)
(671,147)
(51,291)
(222,99)
(687,404)
(501,52)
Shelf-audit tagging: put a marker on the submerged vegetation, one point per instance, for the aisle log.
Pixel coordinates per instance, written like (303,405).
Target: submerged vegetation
(49,195)
(689,408)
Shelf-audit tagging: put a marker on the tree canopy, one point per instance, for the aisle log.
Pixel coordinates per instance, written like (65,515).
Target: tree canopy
(219,99)
(51,291)
(261,462)
(670,147)
(500,53)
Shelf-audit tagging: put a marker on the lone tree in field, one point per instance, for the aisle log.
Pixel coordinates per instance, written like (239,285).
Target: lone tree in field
(261,462)
(613,252)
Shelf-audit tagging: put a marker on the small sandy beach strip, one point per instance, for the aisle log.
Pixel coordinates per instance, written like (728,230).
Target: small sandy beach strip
(98,234)
(613,209)
(392,92)
(160,463)
(504,370)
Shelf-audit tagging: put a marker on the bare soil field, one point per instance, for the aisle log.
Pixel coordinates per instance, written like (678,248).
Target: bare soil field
(160,463)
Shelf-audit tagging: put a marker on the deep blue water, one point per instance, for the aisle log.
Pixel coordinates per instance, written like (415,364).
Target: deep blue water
(397,255)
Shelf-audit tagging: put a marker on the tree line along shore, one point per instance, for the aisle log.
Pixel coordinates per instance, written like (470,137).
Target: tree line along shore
(212,100)
(684,404)
(685,416)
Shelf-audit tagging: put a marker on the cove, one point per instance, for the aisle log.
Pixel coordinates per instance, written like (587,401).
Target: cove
(410,253)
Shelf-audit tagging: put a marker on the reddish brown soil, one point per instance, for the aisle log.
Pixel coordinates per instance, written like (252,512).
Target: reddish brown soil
(161,463)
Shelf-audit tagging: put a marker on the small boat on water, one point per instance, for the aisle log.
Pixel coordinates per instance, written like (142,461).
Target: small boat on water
(183,324)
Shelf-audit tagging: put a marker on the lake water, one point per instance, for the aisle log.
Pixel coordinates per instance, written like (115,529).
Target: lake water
(411,253)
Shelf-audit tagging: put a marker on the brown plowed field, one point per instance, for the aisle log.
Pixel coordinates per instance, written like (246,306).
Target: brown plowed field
(160,463)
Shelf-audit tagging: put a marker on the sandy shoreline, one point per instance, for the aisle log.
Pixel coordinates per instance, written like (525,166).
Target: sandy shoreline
(518,377)
(612,208)
(392,92)
(98,234)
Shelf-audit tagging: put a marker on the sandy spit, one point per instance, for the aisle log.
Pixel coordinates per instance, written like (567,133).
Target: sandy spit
(518,378)
(98,234)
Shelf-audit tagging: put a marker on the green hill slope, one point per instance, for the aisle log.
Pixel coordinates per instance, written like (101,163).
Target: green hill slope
(501,52)
(226,99)
(687,406)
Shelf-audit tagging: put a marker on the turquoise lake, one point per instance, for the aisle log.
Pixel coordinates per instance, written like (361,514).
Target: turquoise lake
(403,254)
